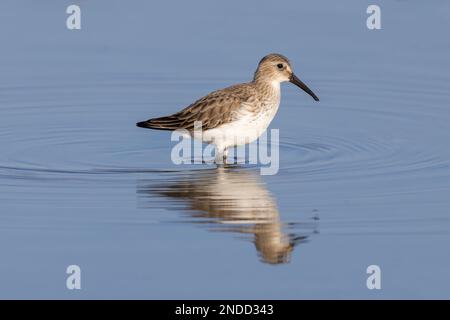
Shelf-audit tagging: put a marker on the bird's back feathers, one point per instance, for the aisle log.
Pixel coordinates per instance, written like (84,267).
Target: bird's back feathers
(217,108)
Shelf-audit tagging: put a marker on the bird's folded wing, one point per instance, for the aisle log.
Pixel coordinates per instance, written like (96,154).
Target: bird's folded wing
(215,109)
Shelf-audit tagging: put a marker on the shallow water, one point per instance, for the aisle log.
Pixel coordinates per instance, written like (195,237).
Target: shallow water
(364,174)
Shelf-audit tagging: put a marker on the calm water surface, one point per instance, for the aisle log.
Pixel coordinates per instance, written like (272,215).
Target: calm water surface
(364,174)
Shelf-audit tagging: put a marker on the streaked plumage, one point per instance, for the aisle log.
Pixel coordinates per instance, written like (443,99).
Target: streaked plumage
(238,114)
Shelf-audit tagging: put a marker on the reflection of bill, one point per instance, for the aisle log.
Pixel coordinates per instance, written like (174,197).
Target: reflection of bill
(234,200)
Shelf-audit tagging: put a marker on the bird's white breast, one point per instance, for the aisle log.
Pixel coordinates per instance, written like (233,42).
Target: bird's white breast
(247,128)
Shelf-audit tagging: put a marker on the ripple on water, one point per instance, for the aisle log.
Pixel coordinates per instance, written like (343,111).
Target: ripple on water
(331,158)
(92,137)
(96,147)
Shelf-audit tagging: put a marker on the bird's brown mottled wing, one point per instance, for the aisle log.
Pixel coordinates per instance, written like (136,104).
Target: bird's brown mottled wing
(217,108)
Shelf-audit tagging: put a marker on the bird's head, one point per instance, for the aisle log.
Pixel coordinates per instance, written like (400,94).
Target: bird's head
(276,68)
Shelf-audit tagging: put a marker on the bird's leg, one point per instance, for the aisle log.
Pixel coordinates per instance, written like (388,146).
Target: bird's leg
(225,155)
(221,155)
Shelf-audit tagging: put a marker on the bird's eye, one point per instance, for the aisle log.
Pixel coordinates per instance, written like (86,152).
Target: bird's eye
(280,66)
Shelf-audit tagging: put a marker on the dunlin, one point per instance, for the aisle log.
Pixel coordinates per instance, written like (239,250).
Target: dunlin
(236,115)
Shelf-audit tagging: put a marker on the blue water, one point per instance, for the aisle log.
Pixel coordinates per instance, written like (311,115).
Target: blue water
(364,174)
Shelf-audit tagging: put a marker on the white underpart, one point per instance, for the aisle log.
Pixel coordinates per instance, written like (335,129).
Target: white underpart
(247,128)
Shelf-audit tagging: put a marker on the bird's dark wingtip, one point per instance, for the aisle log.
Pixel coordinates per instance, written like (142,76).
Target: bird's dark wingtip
(142,124)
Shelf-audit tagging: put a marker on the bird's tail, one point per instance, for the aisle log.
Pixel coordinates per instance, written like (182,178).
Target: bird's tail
(163,123)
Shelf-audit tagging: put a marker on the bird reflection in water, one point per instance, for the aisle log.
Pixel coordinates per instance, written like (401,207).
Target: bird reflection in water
(234,200)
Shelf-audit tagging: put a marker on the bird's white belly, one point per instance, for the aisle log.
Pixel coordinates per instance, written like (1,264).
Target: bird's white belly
(243,131)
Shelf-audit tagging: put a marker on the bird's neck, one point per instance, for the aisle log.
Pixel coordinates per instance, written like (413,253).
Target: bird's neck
(268,89)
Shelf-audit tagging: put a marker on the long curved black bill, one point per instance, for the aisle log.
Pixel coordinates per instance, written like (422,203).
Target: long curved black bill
(299,83)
